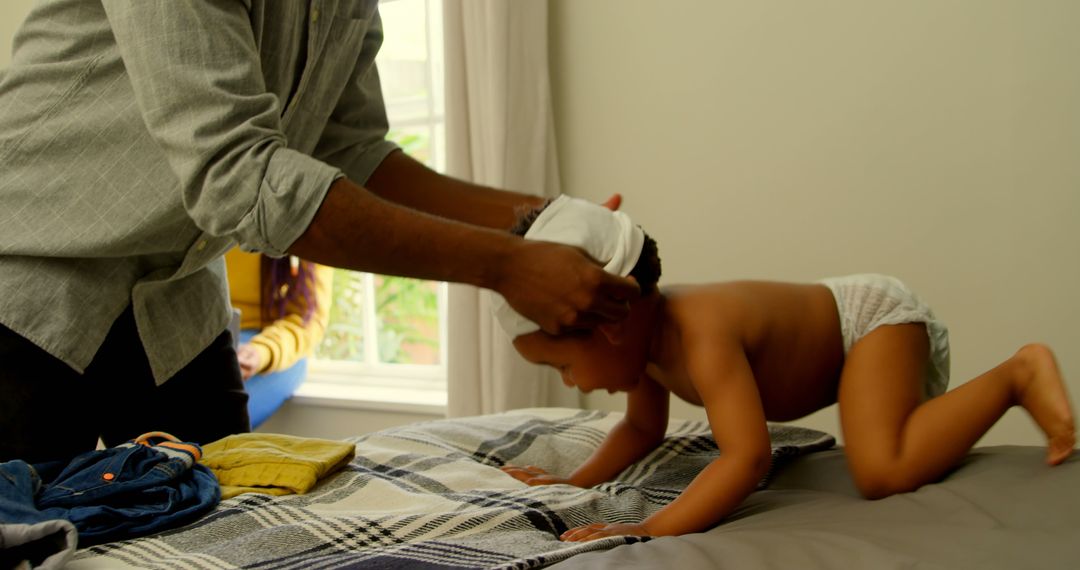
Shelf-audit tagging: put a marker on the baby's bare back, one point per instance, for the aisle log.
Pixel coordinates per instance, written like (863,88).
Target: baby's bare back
(790,333)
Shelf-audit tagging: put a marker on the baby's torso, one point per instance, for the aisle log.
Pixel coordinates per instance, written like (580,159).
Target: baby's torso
(789,332)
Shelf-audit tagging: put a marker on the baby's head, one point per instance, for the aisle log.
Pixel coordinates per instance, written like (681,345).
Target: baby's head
(646,270)
(611,356)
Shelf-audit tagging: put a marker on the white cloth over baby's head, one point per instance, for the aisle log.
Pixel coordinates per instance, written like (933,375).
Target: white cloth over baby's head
(610,238)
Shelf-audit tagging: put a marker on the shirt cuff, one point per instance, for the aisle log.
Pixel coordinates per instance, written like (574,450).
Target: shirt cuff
(361,167)
(292,189)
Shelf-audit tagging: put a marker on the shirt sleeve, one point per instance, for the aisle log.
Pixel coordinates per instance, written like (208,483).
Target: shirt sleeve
(287,340)
(354,138)
(196,75)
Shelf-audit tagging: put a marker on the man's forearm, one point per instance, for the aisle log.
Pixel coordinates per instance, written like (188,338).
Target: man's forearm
(554,285)
(355,229)
(403,180)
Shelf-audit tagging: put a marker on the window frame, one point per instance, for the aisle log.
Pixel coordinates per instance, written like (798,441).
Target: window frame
(386,386)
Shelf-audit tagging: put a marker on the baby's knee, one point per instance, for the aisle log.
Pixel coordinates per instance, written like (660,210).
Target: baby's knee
(879,482)
(1034,355)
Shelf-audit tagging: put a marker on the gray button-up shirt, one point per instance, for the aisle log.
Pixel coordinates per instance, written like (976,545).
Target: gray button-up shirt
(141,140)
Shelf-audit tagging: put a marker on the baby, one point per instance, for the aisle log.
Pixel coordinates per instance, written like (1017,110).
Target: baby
(754,351)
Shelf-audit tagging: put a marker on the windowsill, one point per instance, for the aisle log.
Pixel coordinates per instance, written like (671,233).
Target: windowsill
(371,397)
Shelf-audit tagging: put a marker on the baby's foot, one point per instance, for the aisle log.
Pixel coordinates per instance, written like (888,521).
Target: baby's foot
(1042,393)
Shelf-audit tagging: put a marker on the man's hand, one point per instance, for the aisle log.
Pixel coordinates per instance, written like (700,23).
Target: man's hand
(600,530)
(533,476)
(613,202)
(560,288)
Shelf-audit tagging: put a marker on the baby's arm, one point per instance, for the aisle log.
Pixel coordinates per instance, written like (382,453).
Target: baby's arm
(725,382)
(639,432)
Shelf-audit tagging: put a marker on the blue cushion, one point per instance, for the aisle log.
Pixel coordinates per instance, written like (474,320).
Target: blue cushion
(267,392)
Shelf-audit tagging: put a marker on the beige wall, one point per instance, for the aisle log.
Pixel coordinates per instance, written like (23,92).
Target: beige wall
(937,141)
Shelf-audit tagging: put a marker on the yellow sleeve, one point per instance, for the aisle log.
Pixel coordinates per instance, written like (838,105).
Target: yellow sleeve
(287,340)
(244,286)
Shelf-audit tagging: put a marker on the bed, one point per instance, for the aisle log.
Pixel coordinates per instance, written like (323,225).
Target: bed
(430,495)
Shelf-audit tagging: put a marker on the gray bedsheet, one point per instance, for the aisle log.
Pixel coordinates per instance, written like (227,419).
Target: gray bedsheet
(1001,508)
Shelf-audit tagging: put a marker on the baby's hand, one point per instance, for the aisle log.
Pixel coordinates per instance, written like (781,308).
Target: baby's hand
(533,476)
(600,530)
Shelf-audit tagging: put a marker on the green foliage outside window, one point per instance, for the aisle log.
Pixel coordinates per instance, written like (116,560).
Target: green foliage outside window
(408,319)
(344,339)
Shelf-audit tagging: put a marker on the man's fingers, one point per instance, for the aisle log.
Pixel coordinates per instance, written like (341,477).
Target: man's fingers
(601,312)
(613,202)
(613,295)
(607,310)
(610,304)
(621,288)
(558,306)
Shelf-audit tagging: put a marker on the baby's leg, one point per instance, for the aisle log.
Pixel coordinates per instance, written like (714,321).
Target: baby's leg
(1040,389)
(895,444)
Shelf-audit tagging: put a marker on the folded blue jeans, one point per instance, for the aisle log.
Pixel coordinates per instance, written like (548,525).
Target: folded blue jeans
(146,485)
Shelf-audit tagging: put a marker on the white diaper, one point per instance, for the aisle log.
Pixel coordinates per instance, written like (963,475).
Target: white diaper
(866,302)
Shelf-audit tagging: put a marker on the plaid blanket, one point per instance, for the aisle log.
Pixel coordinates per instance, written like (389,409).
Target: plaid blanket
(430,495)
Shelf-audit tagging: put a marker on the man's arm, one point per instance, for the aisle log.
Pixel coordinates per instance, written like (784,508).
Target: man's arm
(356,229)
(406,181)
(353,140)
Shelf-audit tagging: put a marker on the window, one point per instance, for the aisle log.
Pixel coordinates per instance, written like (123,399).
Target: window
(386,336)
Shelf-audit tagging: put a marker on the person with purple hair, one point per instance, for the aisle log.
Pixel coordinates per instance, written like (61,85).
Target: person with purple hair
(284,306)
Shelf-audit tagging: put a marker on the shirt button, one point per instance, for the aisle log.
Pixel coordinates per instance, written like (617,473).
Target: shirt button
(314,15)
(200,246)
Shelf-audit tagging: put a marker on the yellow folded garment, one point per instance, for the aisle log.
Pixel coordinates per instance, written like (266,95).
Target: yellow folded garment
(273,464)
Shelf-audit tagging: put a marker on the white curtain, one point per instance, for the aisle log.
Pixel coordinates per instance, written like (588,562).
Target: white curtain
(499,132)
